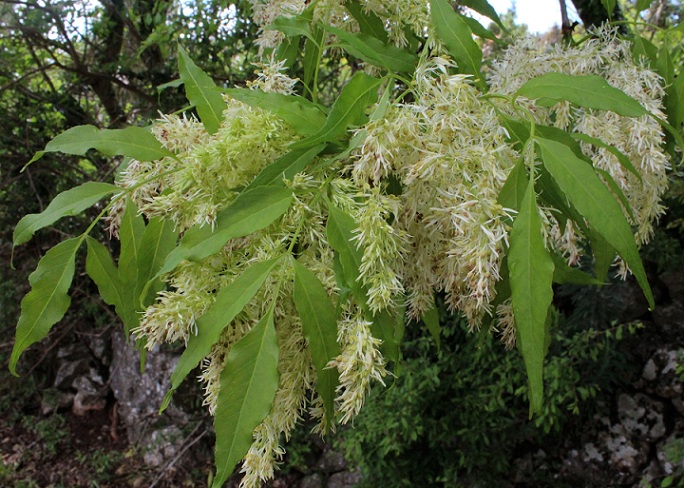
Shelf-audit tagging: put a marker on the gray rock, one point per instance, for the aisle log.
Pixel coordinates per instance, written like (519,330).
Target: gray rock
(674,282)
(613,458)
(331,462)
(53,399)
(346,479)
(625,456)
(140,394)
(73,362)
(592,454)
(100,346)
(91,393)
(523,468)
(312,481)
(650,372)
(161,446)
(651,475)
(678,404)
(660,373)
(642,416)
(670,452)
(669,319)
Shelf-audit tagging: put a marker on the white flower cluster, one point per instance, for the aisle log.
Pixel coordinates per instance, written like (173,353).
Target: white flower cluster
(208,169)
(449,152)
(422,187)
(640,139)
(398,16)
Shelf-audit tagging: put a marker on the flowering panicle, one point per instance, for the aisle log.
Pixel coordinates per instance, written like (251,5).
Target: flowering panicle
(506,324)
(332,12)
(360,363)
(211,167)
(172,317)
(271,77)
(296,378)
(179,134)
(264,12)
(566,241)
(422,187)
(383,247)
(640,138)
(398,15)
(450,154)
(213,363)
(306,208)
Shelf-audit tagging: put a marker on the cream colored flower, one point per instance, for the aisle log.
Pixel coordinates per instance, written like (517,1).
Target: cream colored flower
(640,139)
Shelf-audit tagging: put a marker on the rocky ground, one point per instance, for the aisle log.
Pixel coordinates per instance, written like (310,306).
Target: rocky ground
(83,414)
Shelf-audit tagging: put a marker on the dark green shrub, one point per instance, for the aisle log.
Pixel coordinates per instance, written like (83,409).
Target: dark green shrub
(459,416)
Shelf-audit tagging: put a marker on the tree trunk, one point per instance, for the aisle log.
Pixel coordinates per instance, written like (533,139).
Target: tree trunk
(593,14)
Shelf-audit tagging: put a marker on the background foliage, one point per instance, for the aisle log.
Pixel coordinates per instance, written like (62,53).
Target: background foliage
(71,63)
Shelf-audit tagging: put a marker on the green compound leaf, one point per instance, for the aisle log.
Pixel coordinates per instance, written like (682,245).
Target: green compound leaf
(609,6)
(399,325)
(594,202)
(157,241)
(369,23)
(319,325)
(624,160)
(143,249)
(674,102)
(387,327)
(229,302)
(344,287)
(130,234)
(531,275)
(564,137)
(431,321)
(251,211)
(47,302)
(511,195)
(589,91)
(519,133)
(643,5)
(348,110)
(313,51)
(551,195)
(70,202)
(644,50)
(604,255)
(374,51)
(285,167)
(339,231)
(617,191)
(563,273)
(249,382)
(382,106)
(133,142)
(665,66)
(292,26)
(131,231)
(201,92)
(288,51)
(454,32)
(484,8)
(479,30)
(101,269)
(304,116)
